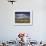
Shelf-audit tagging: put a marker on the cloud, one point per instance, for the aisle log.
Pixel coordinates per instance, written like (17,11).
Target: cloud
(18,16)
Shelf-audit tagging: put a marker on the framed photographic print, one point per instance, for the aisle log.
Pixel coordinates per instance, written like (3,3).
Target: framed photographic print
(23,17)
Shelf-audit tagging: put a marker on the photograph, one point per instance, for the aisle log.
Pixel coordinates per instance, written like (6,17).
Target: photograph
(23,17)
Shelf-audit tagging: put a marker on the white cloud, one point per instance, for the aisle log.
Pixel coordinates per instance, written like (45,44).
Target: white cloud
(21,16)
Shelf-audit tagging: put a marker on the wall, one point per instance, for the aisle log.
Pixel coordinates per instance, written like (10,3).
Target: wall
(9,31)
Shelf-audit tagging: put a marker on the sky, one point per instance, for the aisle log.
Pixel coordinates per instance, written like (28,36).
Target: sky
(22,16)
